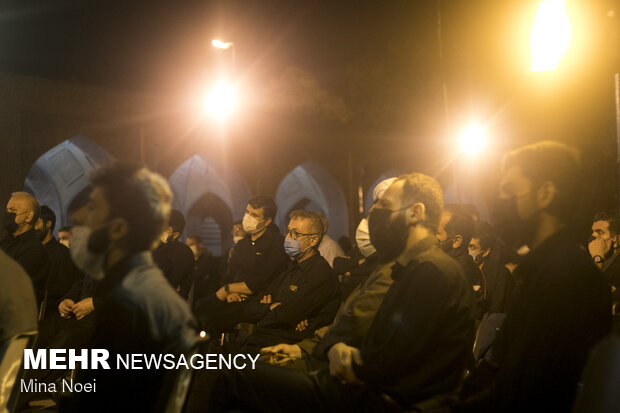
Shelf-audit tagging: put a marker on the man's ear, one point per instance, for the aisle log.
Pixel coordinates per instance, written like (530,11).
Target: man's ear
(30,218)
(268,221)
(415,213)
(457,241)
(546,194)
(118,229)
(48,226)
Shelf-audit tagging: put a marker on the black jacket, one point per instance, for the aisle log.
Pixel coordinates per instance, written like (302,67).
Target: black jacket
(28,251)
(422,336)
(63,274)
(176,260)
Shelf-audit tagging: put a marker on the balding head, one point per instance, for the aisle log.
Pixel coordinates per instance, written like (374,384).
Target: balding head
(26,210)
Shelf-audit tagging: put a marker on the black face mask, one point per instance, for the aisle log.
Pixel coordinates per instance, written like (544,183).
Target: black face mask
(41,233)
(388,236)
(480,258)
(9,222)
(99,240)
(446,244)
(513,230)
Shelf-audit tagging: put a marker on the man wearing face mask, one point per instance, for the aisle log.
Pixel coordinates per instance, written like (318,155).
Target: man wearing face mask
(137,309)
(256,260)
(604,251)
(420,339)
(308,290)
(174,258)
(561,305)
(454,235)
(21,242)
(63,272)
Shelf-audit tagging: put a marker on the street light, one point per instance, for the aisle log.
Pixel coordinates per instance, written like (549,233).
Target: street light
(221,101)
(473,139)
(550,36)
(220,44)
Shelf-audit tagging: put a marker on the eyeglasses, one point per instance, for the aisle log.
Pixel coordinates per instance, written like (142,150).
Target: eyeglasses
(294,234)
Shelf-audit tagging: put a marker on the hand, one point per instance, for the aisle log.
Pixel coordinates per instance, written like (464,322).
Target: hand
(302,325)
(341,358)
(599,246)
(231,297)
(83,308)
(65,308)
(285,351)
(274,305)
(221,294)
(266,299)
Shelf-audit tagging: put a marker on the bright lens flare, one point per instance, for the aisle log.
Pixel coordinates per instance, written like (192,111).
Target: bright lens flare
(220,44)
(221,101)
(551,35)
(473,139)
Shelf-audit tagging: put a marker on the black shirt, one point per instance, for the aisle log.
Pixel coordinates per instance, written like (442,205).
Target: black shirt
(559,311)
(28,251)
(304,290)
(473,274)
(63,274)
(258,262)
(176,260)
(422,336)
(18,307)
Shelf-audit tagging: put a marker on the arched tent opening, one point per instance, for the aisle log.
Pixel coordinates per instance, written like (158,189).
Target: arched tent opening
(60,177)
(368,198)
(309,186)
(211,197)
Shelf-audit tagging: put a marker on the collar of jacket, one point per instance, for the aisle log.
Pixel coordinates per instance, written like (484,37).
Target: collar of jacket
(412,253)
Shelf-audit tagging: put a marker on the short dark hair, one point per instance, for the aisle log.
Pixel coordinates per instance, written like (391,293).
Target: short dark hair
(462,225)
(47,215)
(469,209)
(142,198)
(196,238)
(611,219)
(422,188)
(485,233)
(269,207)
(554,162)
(66,228)
(316,223)
(176,221)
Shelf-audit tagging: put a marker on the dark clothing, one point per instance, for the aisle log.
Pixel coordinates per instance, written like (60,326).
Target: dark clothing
(18,306)
(63,275)
(611,269)
(137,312)
(351,273)
(205,277)
(473,275)
(176,260)
(417,347)
(28,251)
(257,263)
(497,286)
(560,309)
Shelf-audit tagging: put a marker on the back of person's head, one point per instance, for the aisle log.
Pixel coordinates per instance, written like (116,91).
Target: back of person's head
(141,197)
(485,233)
(460,225)
(324,221)
(471,210)
(176,221)
(553,162)
(47,215)
(196,239)
(454,208)
(316,224)
(66,228)
(611,219)
(422,188)
(381,187)
(268,205)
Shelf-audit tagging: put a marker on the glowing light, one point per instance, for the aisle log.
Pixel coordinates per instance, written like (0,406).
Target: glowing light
(473,139)
(203,334)
(551,35)
(221,44)
(221,101)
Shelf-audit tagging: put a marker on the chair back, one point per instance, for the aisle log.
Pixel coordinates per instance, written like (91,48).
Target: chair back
(11,368)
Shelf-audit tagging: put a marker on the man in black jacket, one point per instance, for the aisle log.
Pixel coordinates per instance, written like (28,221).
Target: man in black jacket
(21,242)
(63,272)
(175,259)
(256,261)
(419,342)
(561,304)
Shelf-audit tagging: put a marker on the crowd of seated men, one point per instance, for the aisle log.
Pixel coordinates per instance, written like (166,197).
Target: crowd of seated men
(431,309)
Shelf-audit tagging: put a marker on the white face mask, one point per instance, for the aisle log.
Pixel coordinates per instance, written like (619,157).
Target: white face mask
(250,224)
(362,238)
(89,262)
(237,239)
